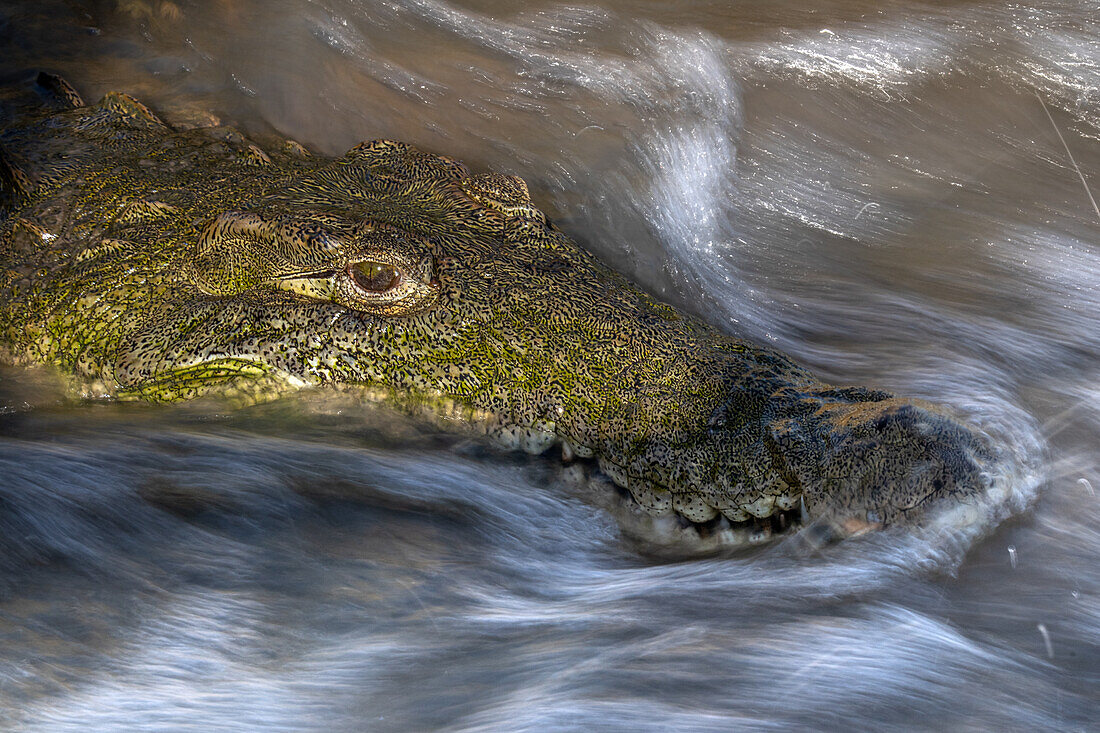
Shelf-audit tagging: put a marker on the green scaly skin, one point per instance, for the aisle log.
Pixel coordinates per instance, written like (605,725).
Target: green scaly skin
(163,264)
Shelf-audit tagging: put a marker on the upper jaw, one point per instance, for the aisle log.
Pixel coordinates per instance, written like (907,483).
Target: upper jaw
(849,465)
(892,462)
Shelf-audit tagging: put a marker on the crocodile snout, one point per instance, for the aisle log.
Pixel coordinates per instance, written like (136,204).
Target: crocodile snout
(889,462)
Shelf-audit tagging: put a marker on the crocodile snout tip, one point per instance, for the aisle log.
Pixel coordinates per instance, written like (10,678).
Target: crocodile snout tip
(891,462)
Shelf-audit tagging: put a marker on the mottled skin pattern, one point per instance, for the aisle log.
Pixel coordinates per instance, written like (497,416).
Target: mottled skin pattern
(163,264)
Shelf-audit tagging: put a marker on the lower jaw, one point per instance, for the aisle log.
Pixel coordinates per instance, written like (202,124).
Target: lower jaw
(664,530)
(671,532)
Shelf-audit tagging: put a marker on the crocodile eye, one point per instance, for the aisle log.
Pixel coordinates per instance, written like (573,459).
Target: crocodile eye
(374,277)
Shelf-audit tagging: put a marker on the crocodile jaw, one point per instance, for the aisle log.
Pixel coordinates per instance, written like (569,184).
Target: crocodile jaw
(884,463)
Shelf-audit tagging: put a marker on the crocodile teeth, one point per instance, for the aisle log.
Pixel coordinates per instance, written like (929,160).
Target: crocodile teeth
(665,527)
(689,518)
(567,454)
(730,537)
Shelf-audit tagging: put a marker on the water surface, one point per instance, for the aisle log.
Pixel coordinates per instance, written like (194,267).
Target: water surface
(875,188)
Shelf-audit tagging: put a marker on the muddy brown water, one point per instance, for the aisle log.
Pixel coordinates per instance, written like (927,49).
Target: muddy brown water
(875,188)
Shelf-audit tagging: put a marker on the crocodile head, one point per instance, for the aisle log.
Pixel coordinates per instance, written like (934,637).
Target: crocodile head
(185,261)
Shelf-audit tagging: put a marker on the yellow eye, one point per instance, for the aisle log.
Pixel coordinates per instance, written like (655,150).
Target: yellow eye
(374,277)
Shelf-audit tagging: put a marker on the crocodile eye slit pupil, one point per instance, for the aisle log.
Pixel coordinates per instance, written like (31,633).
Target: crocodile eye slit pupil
(374,277)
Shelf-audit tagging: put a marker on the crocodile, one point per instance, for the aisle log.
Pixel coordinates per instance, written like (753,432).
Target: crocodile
(157,262)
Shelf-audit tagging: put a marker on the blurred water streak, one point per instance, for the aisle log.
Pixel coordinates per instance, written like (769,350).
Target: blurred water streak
(872,187)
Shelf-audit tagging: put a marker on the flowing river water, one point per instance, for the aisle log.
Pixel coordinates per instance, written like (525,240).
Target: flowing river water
(882,190)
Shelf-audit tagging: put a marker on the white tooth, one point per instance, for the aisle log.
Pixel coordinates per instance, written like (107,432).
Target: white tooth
(566,451)
(732,537)
(803,514)
(666,526)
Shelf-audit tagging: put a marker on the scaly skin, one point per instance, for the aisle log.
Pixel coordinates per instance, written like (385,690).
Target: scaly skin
(163,264)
